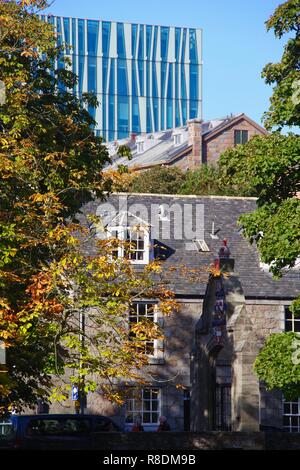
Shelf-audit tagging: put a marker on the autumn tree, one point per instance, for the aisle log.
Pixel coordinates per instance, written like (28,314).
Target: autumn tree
(270,167)
(50,165)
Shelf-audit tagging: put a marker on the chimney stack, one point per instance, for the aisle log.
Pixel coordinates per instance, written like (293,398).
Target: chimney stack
(195,140)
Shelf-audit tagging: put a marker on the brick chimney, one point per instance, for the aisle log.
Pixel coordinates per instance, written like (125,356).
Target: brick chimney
(195,140)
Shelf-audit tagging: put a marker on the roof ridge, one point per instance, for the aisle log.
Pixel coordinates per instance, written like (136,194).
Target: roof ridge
(251,198)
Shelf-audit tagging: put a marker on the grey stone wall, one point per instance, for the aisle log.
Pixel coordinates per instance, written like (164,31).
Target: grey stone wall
(268,318)
(179,329)
(166,375)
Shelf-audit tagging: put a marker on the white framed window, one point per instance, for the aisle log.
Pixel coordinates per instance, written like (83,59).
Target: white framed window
(177,139)
(143,404)
(291,415)
(291,323)
(140,147)
(135,243)
(140,311)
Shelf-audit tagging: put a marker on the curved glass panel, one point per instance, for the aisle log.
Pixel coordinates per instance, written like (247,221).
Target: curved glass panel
(105,38)
(193,109)
(59,32)
(80,72)
(155,114)
(123,116)
(92,74)
(148,40)
(183,46)
(122,77)
(133,39)
(164,42)
(120,41)
(135,115)
(134,80)
(169,114)
(154,43)
(149,118)
(194,82)
(177,43)
(163,77)
(162,113)
(141,76)
(81,37)
(177,114)
(170,82)
(67,34)
(141,43)
(111,102)
(154,82)
(92,37)
(193,46)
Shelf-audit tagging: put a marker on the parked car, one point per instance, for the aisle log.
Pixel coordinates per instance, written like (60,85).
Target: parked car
(56,431)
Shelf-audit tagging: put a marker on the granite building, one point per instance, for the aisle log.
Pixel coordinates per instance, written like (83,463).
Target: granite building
(200,376)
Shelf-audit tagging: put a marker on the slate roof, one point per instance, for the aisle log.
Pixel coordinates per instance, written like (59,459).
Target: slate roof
(224,212)
(161,151)
(160,148)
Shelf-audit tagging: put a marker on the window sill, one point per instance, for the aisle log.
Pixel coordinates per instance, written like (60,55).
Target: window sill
(156,361)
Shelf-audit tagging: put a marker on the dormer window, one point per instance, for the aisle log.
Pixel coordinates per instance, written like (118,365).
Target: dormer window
(134,243)
(140,146)
(136,250)
(133,236)
(177,139)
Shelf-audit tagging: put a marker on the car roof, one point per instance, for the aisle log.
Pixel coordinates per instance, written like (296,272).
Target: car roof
(66,415)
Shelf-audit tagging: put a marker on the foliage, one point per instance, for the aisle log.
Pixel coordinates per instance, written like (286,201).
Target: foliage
(206,181)
(119,180)
(266,166)
(159,179)
(277,366)
(172,180)
(276,230)
(285,75)
(88,299)
(50,165)
(124,151)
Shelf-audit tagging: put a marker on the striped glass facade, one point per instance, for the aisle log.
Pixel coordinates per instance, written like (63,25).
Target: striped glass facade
(147,78)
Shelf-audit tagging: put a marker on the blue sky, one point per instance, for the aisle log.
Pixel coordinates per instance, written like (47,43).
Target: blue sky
(236,45)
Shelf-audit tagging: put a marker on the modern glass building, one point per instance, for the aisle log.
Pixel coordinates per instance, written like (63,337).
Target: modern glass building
(147,78)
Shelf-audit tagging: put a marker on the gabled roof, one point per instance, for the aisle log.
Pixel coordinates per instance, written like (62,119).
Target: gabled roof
(160,148)
(223,212)
(229,122)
